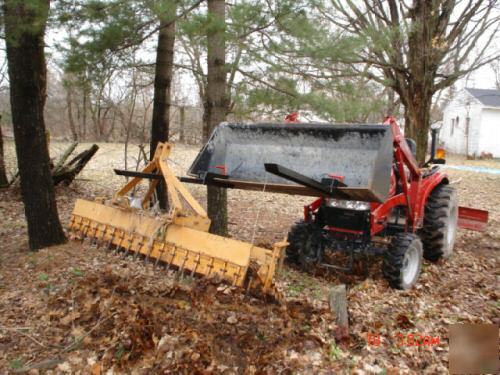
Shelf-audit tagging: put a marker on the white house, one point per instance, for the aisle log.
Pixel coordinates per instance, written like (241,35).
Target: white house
(471,123)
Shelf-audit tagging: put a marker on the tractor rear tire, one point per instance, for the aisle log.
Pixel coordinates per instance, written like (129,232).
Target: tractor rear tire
(403,261)
(297,236)
(440,223)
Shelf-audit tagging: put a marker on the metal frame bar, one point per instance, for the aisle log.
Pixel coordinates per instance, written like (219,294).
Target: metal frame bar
(176,189)
(150,176)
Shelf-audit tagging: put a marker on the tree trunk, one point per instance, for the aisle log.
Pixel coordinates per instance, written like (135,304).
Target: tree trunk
(205,131)
(24,34)
(418,122)
(130,121)
(69,105)
(162,95)
(83,129)
(217,104)
(94,118)
(4,181)
(182,124)
(418,93)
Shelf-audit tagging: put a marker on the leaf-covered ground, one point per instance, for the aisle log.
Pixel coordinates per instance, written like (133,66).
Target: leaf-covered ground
(78,309)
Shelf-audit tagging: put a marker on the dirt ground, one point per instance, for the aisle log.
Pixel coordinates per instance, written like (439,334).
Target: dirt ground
(78,309)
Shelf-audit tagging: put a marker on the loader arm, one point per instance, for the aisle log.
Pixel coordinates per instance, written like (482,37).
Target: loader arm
(418,186)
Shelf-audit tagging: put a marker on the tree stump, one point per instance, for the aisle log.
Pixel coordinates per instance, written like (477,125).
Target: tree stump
(337,299)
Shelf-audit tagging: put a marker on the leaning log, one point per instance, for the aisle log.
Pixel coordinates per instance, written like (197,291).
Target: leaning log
(70,170)
(64,157)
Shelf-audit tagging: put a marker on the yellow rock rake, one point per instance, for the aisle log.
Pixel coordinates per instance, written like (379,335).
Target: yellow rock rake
(179,239)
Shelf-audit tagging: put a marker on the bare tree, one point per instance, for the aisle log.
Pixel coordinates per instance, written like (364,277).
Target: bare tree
(495,66)
(418,47)
(69,107)
(77,96)
(127,115)
(101,104)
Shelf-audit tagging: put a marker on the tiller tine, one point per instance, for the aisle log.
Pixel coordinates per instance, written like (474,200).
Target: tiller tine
(180,240)
(472,219)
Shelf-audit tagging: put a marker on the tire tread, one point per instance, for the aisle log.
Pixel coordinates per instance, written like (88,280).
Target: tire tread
(296,237)
(436,217)
(393,258)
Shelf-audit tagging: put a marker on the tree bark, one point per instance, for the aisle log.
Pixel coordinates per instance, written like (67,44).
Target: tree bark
(418,122)
(422,64)
(4,181)
(24,34)
(162,93)
(217,104)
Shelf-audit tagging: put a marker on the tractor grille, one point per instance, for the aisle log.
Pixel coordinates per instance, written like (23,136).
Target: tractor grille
(342,218)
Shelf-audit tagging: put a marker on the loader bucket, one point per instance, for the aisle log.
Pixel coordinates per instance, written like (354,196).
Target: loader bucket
(360,154)
(180,239)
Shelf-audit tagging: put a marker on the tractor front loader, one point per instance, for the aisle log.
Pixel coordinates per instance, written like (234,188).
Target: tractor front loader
(373,197)
(179,239)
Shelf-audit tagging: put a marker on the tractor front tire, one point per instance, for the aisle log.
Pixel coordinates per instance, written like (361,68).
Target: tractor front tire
(312,250)
(403,261)
(297,236)
(440,223)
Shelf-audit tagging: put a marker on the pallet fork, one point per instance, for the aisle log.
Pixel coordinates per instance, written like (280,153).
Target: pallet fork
(179,239)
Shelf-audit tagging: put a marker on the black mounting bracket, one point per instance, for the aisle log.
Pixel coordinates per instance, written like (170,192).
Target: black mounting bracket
(300,179)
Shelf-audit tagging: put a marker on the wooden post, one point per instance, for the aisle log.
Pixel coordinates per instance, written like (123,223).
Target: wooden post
(337,299)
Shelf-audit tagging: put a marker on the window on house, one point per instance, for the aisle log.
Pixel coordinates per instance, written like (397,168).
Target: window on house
(452,127)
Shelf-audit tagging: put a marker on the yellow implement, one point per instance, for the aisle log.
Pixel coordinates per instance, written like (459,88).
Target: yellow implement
(179,239)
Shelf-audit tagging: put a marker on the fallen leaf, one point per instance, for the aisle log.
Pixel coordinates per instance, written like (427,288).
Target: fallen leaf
(69,318)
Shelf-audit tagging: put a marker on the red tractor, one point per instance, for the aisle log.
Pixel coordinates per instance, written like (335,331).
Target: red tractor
(419,216)
(373,197)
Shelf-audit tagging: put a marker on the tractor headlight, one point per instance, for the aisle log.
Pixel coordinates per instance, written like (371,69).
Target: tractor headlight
(348,205)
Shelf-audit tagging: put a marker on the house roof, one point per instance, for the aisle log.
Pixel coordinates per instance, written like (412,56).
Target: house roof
(487,97)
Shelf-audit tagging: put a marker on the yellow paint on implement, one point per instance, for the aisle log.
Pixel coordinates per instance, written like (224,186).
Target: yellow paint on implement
(179,239)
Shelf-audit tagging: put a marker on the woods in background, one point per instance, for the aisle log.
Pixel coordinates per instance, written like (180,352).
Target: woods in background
(147,71)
